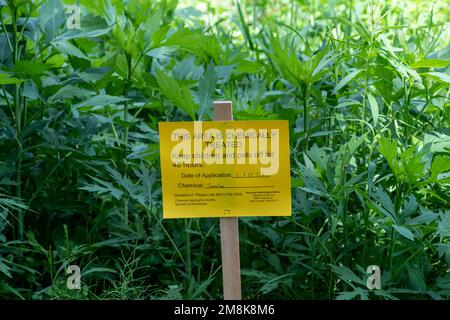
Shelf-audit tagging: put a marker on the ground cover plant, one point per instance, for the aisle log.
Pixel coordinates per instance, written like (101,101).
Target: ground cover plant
(365,87)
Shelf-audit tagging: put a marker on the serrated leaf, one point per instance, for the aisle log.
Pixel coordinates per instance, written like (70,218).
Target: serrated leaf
(51,18)
(102,187)
(388,149)
(202,287)
(179,94)
(66,47)
(426,217)
(347,275)
(443,229)
(416,278)
(439,165)
(440,142)
(186,69)
(207,86)
(412,160)
(387,207)
(350,295)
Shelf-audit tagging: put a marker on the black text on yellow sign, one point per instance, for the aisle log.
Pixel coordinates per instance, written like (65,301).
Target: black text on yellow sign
(225,168)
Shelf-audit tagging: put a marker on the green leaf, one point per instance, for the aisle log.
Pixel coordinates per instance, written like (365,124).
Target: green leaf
(388,149)
(179,94)
(101,100)
(426,217)
(202,287)
(404,232)
(159,36)
(374,108)
(31,91)
(318,156)
(88,31)
(444,250)
(410,206)
(51,18)
(416,277)
(70,92)
(99,269)
(440,142)
(195,42)
(412,160)
(103,187)
(7,79)
(7,288)
(346,80)
(318,64)
(4,268)
(347,275)
(387,206)
(286,62)
(438,76)
(431,63)
(310,178)
(96,101)
(275,262)
(349,295)
(24,68)
(207,86)
(439,165)
(5,50)
(66,47)
(161,52)
(443,229)
(243,26)
(187,69)
(151,25)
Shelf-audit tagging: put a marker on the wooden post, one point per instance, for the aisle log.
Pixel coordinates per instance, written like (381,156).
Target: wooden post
(229,230)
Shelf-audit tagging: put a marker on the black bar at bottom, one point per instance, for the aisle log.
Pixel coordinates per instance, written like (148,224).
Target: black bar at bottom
(200,309)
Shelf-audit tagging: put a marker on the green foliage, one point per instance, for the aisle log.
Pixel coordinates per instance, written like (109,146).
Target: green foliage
(178,94)
(365,89)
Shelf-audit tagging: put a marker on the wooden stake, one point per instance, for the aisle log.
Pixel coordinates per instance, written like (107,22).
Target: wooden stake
(229,230)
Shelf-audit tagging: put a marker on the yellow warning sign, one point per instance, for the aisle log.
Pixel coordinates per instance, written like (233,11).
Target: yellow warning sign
(225,168)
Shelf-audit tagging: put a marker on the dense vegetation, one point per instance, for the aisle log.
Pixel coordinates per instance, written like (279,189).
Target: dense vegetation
(365,89)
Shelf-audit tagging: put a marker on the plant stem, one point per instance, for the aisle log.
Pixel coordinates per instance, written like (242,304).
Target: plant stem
(305,114)
(18,118)
(366,84)
(125,148)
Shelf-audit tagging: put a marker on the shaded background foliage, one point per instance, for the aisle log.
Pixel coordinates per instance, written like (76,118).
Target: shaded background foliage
(365,88)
